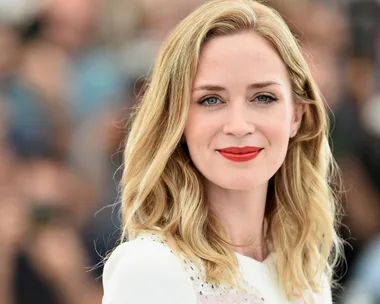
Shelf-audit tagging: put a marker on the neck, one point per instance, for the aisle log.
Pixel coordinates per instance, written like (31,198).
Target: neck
(242,214)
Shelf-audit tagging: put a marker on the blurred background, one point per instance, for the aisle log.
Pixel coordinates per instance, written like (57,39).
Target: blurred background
(70,70)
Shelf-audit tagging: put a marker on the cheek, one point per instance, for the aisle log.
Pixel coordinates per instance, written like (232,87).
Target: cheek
(199,130)
(278,131)
(278,134)
(200,133)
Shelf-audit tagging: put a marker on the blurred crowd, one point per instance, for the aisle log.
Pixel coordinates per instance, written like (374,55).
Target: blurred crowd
(70,71)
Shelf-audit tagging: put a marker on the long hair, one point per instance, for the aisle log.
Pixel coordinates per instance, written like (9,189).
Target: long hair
(161,188)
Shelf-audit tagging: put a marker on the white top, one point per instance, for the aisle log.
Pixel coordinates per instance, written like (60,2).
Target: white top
(146,271)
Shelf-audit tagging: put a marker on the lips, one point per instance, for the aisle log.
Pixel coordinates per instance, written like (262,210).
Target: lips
(240,150)
(240,154)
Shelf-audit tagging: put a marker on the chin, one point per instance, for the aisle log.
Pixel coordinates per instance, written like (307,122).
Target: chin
(239,183)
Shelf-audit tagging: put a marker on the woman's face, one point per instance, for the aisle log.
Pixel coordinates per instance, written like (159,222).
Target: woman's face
(241,98)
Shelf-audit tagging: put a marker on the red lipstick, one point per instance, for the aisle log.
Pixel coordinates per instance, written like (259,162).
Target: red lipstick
(237,154)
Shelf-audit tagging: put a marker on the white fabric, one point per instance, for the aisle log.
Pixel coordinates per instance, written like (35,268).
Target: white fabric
(146,271)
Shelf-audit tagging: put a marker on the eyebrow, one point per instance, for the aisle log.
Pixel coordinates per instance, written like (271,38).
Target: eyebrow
(258,85)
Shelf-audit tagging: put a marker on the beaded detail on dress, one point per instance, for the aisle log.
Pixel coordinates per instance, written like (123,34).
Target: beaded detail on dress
(207,292)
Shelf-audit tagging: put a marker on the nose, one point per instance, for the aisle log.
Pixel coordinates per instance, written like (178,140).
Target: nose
(239,122)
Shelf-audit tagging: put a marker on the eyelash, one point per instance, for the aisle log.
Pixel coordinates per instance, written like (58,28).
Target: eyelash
(271,98)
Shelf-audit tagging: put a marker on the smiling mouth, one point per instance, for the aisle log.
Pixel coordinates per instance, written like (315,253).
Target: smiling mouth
(236,154)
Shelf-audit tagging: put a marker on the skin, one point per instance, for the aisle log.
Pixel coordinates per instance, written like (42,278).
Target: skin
(252,107)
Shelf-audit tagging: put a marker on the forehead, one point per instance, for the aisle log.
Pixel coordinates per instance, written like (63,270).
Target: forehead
(238,58)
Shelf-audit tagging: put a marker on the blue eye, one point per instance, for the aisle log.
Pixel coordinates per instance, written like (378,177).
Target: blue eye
(265,99)
(210,101)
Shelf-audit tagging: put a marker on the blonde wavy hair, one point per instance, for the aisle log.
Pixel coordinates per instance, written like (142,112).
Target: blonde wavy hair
(161,188)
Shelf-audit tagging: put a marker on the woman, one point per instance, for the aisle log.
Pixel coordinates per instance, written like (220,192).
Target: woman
(227,189)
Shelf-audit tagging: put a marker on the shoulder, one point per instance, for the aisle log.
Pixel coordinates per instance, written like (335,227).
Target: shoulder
(326,293)
(324,296)
(145,270)
(141,254)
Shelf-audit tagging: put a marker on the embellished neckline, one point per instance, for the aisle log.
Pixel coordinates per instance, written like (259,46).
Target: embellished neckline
(252,261)
(208,292)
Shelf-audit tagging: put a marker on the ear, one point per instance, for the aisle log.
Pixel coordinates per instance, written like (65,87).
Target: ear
(299,110)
